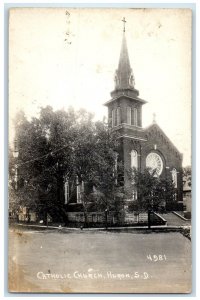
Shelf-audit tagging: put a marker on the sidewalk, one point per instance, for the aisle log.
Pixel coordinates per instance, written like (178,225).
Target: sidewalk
(124,228)
(174,219)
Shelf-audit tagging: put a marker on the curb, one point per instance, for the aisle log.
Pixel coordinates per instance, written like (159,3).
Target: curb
(181,217)
(161,218)
(65,229)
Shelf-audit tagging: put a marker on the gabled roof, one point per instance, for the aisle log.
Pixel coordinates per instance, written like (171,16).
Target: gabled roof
(153,126)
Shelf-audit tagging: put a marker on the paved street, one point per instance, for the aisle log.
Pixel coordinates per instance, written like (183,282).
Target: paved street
(52,261)
(174,220)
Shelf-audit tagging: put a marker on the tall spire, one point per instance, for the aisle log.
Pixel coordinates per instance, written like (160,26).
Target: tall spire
(124,78)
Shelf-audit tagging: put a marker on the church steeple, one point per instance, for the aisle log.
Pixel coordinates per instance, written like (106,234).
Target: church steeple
(124,76)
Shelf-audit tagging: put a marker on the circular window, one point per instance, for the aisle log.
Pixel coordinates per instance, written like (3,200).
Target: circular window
(154,162)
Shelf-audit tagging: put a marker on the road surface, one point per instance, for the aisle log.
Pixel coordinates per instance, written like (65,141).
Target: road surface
(109,262)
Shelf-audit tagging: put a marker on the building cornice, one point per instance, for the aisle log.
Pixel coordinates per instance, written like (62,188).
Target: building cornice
(132,137)
(125,96)
(127,126)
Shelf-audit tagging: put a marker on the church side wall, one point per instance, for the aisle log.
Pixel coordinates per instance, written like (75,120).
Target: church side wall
(155,143)
(171,158)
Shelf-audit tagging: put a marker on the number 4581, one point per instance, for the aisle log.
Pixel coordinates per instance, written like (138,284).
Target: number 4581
(155,257)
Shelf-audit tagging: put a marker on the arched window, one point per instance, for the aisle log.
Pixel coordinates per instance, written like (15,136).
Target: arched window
(134,159)
(131,80)
(174,177)
(79,190)
(66,191)
(134,164)
(118,115)
(116,79)
(135,116)
(128,110)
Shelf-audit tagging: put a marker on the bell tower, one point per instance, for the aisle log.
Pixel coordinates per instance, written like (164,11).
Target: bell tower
(125,106)
(125,110)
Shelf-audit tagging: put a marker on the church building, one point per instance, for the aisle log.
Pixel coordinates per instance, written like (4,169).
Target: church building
(140,147)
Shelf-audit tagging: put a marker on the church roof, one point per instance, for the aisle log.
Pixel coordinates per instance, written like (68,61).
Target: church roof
(155,126)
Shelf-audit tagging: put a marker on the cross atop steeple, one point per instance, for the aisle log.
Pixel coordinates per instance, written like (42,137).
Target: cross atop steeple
(124,21)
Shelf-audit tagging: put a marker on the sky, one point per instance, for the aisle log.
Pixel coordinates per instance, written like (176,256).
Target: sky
(68,57)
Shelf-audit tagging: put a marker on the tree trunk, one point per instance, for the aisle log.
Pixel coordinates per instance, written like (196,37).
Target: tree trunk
(86,218)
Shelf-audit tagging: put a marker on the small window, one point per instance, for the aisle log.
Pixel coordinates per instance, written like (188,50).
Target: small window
(134,159)
(78,190)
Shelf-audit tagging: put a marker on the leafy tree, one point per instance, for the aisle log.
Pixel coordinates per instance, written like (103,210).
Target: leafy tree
(187,175)
(150,191)
(57,146)
(95,164)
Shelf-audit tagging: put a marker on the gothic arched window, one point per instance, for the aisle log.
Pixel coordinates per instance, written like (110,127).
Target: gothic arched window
(134,159)
(131,80)
(135,116)
(174,177)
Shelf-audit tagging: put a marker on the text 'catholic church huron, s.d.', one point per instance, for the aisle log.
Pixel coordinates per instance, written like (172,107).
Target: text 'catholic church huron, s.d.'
(139,147)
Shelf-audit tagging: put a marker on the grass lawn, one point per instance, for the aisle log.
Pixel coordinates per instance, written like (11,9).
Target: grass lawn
(98,262)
